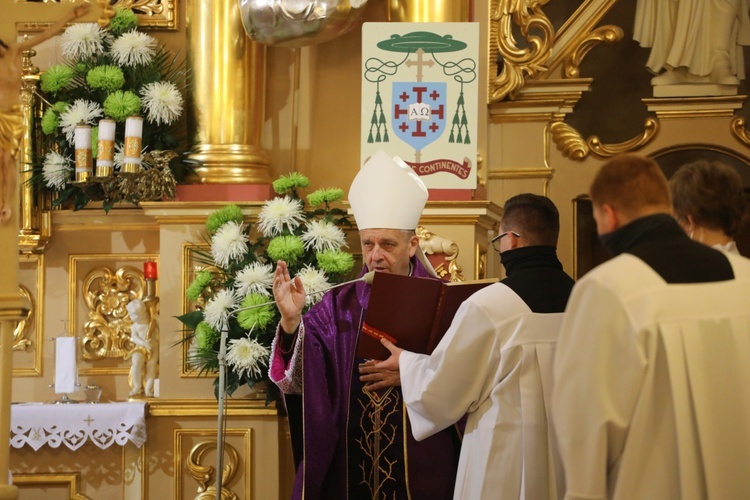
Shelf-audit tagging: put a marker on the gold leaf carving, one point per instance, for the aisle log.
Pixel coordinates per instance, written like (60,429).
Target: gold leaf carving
(203,474)
(572,144)
(608,34)
(151,13)
(20,342)
(107,333)
(569,141)
(739,130)
(431,243)
(518,63)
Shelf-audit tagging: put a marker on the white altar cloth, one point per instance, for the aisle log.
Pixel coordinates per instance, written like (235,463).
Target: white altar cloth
(103,424)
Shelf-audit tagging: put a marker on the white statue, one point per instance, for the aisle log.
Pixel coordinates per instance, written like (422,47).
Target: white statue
(695,41)
(145,355)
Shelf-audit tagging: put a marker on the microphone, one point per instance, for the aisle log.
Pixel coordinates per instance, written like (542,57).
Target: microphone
(367,278)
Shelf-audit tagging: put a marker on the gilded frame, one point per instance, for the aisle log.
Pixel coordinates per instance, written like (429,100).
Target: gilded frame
(36,315)
(71,479)
(190,269)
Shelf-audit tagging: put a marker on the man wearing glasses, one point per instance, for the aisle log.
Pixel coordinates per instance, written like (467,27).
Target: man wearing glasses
(495,363)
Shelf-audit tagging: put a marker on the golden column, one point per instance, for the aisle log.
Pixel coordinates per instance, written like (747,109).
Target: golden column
(427,11)
(35,223)
(228,74)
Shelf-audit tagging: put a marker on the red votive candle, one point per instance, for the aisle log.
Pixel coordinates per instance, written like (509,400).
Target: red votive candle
(149,270)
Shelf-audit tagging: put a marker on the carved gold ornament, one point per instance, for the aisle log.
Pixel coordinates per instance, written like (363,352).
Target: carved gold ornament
(107,332)
(151,13)
(572,145)
(203,474)
(518,63)
(431,243)
(608,34)
(739,130)
(20,342)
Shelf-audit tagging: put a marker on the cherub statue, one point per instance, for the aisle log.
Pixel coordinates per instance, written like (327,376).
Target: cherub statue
(145,355)
(11,120)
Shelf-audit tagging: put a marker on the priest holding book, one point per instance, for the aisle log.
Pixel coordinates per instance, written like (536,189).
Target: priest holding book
(494,364)
(355,444)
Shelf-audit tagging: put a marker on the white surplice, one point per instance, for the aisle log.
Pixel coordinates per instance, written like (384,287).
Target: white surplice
(495,362)
(652,385)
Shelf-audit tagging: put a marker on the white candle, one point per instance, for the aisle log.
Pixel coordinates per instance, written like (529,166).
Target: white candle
(66,371)
(133,140)
(83,152)
(105,154)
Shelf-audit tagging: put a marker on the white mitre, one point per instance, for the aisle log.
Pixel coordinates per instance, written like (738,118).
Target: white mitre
(387,194)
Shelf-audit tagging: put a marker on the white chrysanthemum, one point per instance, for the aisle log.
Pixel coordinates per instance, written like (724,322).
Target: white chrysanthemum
(228,243)
(278,213)
(162,101)
(82,40)
(56,170)
(133,48)
(255,278)
(247,355)
(314,281)
(216,312)
(80,111)
(322,235)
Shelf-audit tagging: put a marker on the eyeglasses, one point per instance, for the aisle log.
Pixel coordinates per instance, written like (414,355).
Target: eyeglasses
(495,242)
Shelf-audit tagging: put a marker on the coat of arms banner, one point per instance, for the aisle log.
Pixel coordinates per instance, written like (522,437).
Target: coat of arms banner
(419,98)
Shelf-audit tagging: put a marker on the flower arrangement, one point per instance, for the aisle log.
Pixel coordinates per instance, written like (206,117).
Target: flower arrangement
(115,73)
(238,273)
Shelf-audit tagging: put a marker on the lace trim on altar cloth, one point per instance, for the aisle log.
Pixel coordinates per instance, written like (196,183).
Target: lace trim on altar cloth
(287,377)
(104,425)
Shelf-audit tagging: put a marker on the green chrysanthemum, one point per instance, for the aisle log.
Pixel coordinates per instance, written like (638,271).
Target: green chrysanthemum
(81,68)
(288,182)
(50,121)
(198,285)
(335,261)
(106,77)
(205,336)
(286,248)
(56,78)
(258,317)
(222,216)
(123,20)
(324,195)
(119,105)
(61,106)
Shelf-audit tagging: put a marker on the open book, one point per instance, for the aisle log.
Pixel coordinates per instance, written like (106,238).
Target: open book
(413,313)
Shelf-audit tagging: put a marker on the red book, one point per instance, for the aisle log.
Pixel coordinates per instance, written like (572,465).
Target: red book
(413,313)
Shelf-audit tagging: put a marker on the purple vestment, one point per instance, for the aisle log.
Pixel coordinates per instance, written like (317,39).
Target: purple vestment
(335,408)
